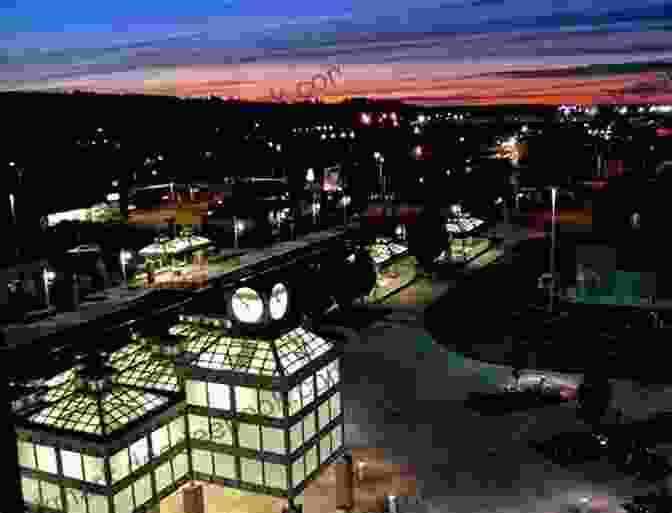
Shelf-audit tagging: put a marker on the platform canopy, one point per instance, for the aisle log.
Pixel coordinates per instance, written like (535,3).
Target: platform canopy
(175,246)
(384,249)
(212,348)
(463,225)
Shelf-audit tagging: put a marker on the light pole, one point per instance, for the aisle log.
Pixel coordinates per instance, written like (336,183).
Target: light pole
(554,192)
(124,258)
(345,201)
(381,179)
(48,277)
(238,227)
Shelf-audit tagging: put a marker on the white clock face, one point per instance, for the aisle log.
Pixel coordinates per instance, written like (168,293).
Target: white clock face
(279,301)
(247,305)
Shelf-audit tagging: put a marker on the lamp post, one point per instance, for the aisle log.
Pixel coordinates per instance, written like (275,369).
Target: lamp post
(124,258)
(381,179)
(554,192)
(47,277)
(238,227)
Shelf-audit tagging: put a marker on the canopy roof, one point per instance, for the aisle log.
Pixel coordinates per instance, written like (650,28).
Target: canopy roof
(212,348)
(384,249)
(463,224)
(82,412)
(175,246)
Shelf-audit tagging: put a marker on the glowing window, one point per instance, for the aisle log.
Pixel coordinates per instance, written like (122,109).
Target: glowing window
(119,465)
(298,472)
(218,396)
(309,426)
(98,504)
(26,455)
(251,471)
(274,440)
(196,393)
(198,427)
(276,475)
(311,460)
(177,431)
(94,469)
(164,476)
(31,490)
(296,436)
(248,435)
(123,501)
(225,466)
(46,458)
(51,494)
(202,461)
(139,453)
(160,441)
(180,465)
(247,400)
(325,447)
(76,500)
(143,490)
(323,414)
(72,464)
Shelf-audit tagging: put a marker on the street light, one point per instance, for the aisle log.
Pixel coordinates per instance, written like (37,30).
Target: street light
(380,159)
(554,192)
(238,226)
(124,258)
(48,277)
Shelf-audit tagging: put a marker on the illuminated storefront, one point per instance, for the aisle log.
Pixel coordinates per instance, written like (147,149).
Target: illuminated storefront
(263,415)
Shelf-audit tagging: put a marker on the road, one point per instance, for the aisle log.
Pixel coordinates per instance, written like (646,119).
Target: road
(405,394)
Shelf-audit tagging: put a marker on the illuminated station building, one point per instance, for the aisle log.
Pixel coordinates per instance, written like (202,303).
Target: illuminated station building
(249,400)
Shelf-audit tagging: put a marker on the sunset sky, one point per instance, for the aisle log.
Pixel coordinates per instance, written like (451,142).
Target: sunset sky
(425,51)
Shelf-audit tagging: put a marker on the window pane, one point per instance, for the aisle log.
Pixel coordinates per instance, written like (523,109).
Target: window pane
(76,501)
(335,404)
(219,397)
(225,466)
(323,414)
(160,441)
(271,404)
(180,465)
(307,391)
(246,400)
(276,475)
(143,491)
(296,436)
(119,465)
(295,400)
(337,437)
(311,460)
(248,435)
(323,380)
(72,464)
(177,431)
(139,453)
(164,476)
(31,490)
(51,495)
(26,455)
(202,461)
(123,501)
(98,504)
(251,471)
(198,427)
(46,458)
(196,393)
(94,469)
(309,426)
(273,440)
(325,447)
(334,372)
(298,472)
(222,431)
